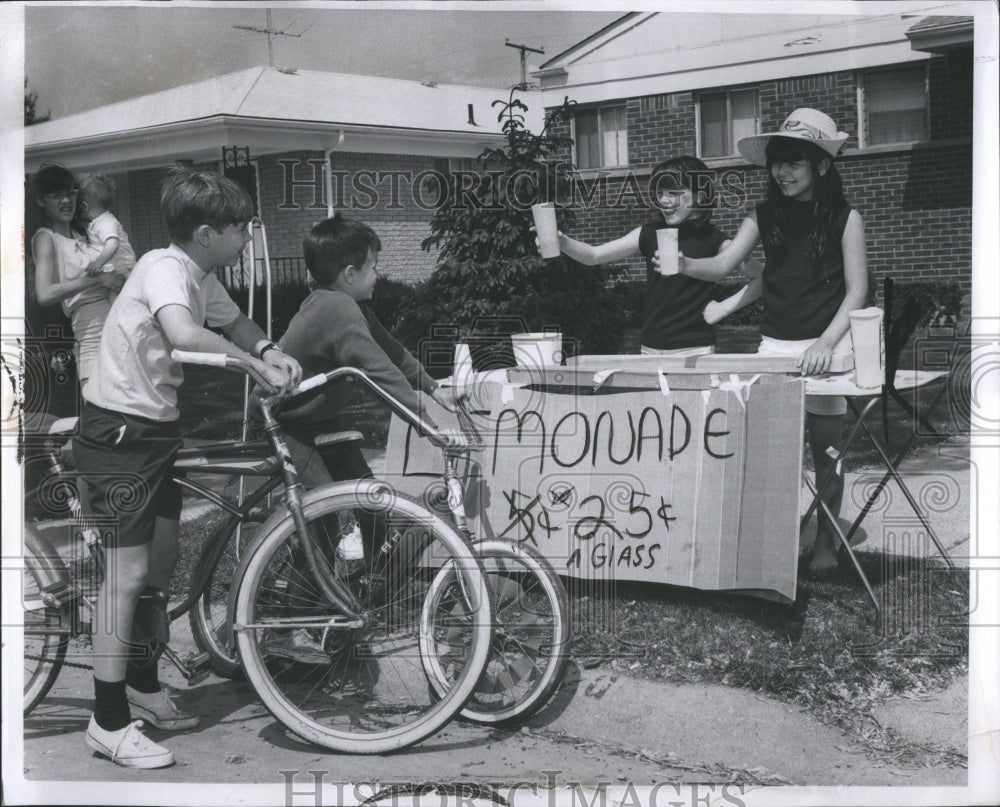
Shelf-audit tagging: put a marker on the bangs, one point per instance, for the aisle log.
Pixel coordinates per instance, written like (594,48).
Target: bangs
(789,149)
(52,178)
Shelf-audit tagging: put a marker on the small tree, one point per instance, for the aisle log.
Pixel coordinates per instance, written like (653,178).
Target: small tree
(31,116)
(490,278)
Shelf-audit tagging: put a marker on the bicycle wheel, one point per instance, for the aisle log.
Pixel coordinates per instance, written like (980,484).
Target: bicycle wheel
(530,637)
(209,615)
(354,681)
(45,640)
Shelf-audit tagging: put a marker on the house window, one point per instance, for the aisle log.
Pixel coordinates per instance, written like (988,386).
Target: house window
(725,117)
(601,137)
(895,105)
(465,164)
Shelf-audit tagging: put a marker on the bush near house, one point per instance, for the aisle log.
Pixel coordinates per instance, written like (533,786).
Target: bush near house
(490,281)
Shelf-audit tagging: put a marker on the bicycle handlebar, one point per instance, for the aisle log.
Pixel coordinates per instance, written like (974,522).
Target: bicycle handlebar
(432,433)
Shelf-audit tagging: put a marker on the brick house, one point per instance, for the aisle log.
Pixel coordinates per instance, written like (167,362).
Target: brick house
(372,147)
(654,85)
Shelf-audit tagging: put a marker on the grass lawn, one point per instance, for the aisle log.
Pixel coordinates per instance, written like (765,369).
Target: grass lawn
(827,653)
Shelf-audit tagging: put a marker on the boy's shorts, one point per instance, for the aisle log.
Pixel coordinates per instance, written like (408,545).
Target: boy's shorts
(815,404)
(125,464)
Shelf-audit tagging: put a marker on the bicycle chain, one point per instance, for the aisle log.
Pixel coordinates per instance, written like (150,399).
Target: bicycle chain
(75,664)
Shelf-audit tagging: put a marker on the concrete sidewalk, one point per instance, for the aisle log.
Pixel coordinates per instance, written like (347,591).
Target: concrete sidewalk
(602,725)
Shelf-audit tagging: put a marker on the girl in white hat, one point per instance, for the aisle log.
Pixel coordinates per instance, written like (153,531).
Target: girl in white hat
(814,274)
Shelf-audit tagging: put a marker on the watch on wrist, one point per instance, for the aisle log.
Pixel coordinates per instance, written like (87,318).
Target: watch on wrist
(269,346)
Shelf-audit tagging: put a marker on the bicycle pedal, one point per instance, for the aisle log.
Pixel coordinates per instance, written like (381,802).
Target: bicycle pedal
(59,594)
(198,666)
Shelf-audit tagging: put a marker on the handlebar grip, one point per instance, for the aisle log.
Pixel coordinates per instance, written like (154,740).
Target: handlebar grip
(195,357)
(310,383)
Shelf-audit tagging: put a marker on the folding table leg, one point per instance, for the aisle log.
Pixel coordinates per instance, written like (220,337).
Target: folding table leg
(900,455)
(891,470)
(847,548)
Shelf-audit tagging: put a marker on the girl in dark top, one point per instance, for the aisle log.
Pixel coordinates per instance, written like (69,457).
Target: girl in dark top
(814,274)
(674,320)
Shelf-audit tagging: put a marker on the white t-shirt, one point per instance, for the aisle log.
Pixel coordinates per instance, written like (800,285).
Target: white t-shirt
(106,226)
(134,372)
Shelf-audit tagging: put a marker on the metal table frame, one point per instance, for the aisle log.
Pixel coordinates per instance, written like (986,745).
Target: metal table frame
(860,425)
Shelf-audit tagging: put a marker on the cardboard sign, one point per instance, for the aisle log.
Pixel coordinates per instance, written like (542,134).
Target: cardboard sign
(695,488)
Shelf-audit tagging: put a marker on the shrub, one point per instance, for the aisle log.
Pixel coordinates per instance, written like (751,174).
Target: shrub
(490,280)
(387,301)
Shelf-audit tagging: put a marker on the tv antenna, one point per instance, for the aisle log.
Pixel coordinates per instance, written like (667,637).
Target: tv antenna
(523,48)
(271,33)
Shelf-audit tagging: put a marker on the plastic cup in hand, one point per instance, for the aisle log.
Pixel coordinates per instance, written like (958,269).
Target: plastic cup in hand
(869,348)
(666,245)
(546,229)
(462,374)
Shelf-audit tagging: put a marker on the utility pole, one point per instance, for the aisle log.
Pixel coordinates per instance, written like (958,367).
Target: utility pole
(271,33)
(524,74)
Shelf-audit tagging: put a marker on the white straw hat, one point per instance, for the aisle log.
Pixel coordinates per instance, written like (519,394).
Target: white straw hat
(803,124)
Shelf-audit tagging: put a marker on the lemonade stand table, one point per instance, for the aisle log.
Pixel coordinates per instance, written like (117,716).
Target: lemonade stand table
(632,471)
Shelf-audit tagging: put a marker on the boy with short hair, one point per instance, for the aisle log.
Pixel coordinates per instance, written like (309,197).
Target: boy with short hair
(334,327)
(129,437)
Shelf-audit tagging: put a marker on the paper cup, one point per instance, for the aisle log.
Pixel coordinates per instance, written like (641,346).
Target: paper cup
(536,350)
(869,347)
(462,373)
(666,245)
(546,229)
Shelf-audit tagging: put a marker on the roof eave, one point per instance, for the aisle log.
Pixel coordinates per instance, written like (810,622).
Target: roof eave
(202,140)
(942,38)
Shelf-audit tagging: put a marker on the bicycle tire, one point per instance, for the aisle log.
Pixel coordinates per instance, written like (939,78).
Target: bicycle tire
(369,694)
(209,616)
(530,640)
(44,650)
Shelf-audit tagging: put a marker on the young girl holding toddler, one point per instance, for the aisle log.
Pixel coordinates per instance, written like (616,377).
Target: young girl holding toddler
(679,310)
(61,256)
(814,274)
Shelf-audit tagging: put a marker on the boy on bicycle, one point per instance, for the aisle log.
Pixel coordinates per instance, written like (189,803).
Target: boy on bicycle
(129,437)
(334,327)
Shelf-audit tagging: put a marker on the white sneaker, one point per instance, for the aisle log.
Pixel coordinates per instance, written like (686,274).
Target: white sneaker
(157,709)
(128,747)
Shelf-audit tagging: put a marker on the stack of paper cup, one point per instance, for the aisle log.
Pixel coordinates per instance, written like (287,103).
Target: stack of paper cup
(666,245)
(869,347)
(546,229)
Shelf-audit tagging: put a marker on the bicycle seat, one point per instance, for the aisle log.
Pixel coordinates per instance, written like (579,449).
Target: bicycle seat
(333,438)
(64,427)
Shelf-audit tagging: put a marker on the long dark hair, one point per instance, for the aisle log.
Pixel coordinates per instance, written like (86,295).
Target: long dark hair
(50,178)
(688,172)
(827,200)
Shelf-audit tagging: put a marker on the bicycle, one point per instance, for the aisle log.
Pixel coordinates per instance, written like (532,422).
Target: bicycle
(530,635)
(531,631)
(374,711)
(63,575)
